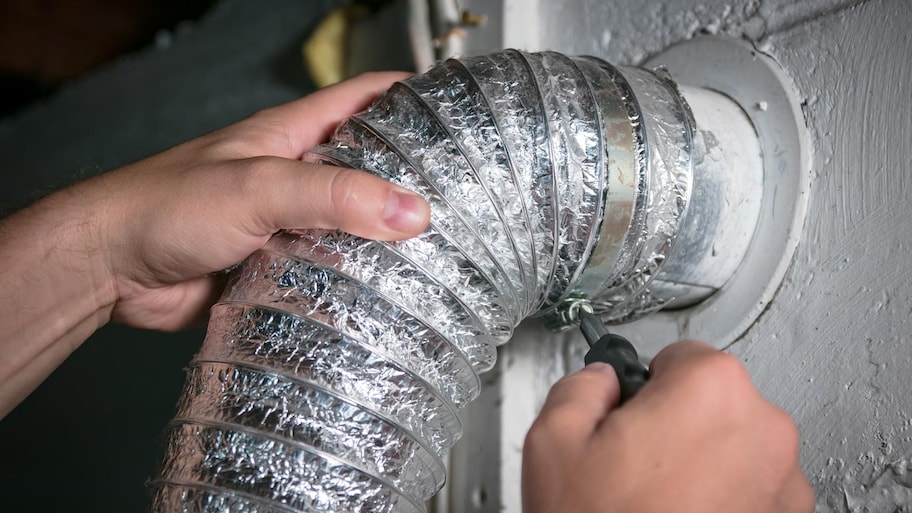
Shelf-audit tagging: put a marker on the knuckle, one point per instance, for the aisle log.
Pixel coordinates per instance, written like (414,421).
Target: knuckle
(786,435)
(720,387)
(588,378)
(721,375)
(262,133)
(265,131)
(341,190)
(345,190)
(250,180)
(577,385)
(219,145)
(250,177)
(248,138)
(727,368)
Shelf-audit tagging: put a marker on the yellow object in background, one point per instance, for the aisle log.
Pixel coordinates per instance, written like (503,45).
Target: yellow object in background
(326,50)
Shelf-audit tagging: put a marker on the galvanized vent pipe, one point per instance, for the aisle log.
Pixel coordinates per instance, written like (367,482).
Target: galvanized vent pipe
(333,367)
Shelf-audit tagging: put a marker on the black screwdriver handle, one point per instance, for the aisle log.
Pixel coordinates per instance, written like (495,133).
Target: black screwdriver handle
(617,352)
(620,354)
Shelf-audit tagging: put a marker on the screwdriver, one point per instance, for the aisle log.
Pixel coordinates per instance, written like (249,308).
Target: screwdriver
(614,350)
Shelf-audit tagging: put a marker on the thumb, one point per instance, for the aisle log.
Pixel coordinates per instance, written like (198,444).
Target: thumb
(300,195)
(577,403)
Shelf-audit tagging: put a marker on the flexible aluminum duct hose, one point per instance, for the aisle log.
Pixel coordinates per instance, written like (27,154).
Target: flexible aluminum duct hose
(333,367)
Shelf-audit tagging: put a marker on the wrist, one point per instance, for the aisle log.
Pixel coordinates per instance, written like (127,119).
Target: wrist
(78,221)
(56,268)
(55,289)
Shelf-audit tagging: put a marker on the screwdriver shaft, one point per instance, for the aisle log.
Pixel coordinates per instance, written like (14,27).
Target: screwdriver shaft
(592,327)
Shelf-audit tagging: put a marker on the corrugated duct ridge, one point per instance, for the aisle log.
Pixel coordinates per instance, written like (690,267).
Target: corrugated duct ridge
(333,367)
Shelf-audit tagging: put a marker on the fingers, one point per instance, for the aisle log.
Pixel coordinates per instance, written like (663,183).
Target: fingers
(310,120)
(572,412)
(577,403)
(679,354)
(287,194)
(698,430)
(700,375)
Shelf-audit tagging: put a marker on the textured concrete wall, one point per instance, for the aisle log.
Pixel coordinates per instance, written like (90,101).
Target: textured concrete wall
(834,347)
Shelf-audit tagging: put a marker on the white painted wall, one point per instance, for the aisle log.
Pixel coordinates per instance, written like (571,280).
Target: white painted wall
(834,346)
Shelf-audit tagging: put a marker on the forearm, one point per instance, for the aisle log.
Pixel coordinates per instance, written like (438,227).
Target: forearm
(144,245)
(55,287)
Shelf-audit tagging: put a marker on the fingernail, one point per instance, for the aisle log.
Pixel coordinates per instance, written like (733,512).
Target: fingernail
(599,367)
(405,211)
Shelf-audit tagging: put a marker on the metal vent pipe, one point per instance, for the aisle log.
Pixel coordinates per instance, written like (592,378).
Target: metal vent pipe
(333,366)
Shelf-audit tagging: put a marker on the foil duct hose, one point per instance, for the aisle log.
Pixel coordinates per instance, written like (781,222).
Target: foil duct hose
(333,366)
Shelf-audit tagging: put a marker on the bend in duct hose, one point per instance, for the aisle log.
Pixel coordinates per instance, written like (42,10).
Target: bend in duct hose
(333,367)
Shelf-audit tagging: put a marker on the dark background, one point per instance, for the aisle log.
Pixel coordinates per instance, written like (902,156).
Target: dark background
(88,86)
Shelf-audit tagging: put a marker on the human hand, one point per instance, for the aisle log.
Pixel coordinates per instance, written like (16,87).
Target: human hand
(143,245)
(176,218)
(697,438)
